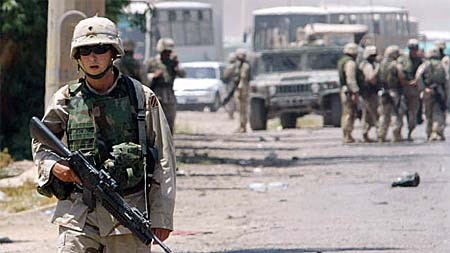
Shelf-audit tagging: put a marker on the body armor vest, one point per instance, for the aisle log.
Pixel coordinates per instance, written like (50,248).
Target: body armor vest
(98,123)
(343,78)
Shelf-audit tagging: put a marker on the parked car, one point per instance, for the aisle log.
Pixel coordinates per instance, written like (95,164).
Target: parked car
(201,87)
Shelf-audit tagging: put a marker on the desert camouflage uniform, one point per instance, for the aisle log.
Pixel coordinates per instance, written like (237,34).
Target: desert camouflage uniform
(411,93)
(370,97)
(432,79)
(348,77)
(163,86)
(392,102)
(230,75)
(94,230)
(242,93)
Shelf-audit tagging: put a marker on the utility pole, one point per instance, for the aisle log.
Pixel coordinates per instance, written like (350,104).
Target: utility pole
(63,15)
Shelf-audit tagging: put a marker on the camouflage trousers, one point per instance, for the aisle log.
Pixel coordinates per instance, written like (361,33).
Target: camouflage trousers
(348,116)
(168,102)
(170,110)
(369,112)
(242,104)
(412,101)
(435,117)
(88,241)
(392,105)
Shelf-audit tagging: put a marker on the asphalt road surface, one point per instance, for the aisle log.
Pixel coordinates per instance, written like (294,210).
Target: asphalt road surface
(283,191)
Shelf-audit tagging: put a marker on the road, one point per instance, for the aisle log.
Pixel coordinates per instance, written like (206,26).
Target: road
(297,190)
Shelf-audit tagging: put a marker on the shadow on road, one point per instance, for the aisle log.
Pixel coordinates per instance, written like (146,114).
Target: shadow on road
(316,250)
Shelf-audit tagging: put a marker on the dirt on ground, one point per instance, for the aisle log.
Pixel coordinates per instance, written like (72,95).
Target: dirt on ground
(282,191)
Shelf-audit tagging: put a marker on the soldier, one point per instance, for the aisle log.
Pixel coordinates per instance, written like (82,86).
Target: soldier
(242,91)
(127,64)
(229,78)
(433,83)
(410,63)
(97,115)
(350,78)
(163,70)
(369,90)
(392,102)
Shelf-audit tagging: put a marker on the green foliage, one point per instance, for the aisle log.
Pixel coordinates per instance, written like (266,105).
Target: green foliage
(22,77)
(23,37)
(114,9)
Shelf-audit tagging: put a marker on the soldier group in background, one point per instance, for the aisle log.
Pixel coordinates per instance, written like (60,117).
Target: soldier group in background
(398,86)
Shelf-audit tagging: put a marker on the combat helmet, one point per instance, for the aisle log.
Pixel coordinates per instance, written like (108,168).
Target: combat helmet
(165,44)
(440,44)
(241,53)
(93,31)
(433,53)
(413,44)
(129,45)
(369,51)
(350,48)
(392,51)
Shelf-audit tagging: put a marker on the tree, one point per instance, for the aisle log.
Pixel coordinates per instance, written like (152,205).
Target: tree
(23,37)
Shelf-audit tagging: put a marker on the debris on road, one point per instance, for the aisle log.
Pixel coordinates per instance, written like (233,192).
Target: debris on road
(407,180)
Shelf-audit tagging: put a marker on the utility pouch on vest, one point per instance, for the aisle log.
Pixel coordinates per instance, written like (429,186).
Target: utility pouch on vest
(127,165)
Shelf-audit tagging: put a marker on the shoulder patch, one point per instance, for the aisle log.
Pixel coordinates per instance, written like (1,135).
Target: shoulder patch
(153,101)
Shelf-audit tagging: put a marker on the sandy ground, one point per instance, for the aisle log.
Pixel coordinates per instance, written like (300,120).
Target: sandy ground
(298,190)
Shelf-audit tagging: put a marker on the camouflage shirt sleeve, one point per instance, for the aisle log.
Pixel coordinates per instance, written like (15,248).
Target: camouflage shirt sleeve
(350,74)
(55,118)
(162,193)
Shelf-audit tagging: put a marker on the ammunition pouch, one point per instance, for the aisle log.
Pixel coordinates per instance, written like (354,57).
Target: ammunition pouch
(126,166)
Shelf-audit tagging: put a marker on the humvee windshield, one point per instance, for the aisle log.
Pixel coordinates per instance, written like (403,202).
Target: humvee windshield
(298,61)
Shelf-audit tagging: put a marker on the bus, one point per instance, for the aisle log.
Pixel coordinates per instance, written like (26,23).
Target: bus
(277,27)
(386,25)
(194,26)
(282,27)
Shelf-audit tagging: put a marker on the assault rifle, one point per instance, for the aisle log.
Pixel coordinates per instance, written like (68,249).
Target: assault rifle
(99,182)
(236,81)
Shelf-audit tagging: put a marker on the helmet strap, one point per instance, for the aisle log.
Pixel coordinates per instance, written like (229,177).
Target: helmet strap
(98,76)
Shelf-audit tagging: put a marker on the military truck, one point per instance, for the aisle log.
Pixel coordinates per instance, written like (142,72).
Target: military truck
(290,83)
(302,77)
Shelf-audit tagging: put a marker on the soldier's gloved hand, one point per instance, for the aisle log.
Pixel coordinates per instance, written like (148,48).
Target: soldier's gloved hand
(65,173)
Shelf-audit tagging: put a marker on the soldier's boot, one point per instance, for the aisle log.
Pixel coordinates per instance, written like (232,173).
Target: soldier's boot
(410,135)
(397,136)
(348,137)
(366,138)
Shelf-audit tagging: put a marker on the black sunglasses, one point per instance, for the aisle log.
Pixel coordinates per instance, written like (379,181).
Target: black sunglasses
(97,49)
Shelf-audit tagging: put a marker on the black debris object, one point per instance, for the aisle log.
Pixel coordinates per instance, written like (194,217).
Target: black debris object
(408,180)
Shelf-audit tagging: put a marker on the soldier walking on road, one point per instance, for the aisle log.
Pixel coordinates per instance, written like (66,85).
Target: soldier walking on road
(410,63)
(392,101)
(163,70)
(369,90)
(350,78)
(230,76)
(109,118)
(434,85)
(243,88)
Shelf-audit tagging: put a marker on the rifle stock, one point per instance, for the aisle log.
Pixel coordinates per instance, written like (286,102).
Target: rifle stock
(100,183)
